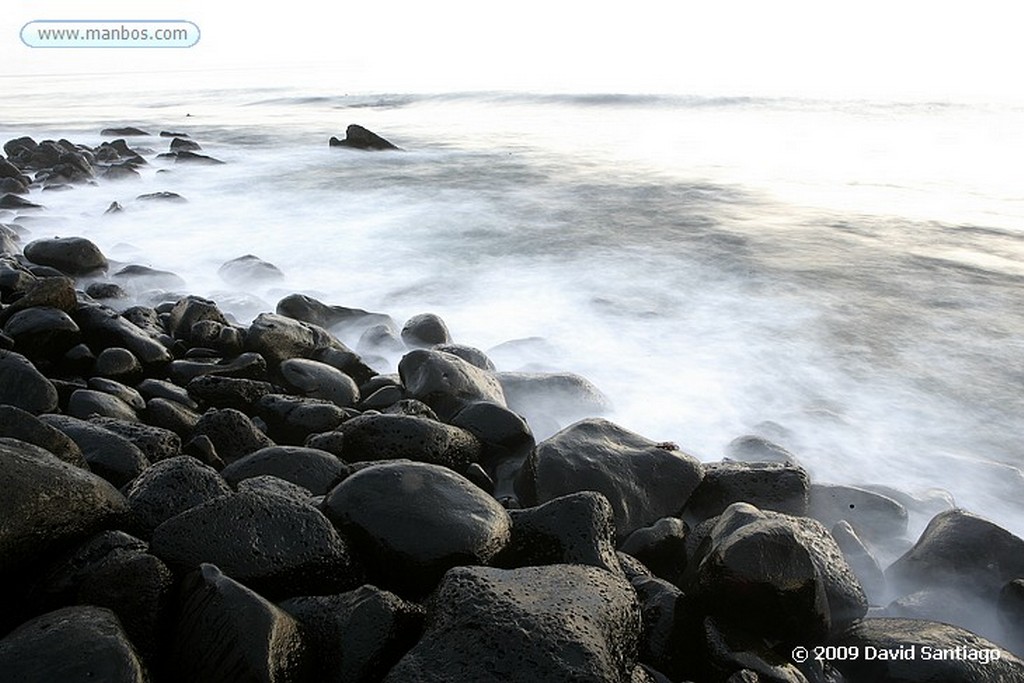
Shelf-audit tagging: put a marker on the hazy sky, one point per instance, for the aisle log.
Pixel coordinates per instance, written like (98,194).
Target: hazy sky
(896,48)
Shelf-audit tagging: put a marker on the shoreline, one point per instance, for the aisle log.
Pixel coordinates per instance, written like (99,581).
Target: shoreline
(124,404)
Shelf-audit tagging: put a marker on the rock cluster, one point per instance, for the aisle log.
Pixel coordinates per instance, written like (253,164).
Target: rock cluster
(187,498)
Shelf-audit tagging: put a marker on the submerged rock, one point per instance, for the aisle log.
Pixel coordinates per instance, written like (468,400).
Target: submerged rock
(358,137)
(70,255)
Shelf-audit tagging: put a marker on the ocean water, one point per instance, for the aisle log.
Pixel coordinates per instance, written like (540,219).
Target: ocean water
(844,277)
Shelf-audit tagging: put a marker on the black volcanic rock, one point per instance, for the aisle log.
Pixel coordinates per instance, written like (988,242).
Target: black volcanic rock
(116,571)
(123,132)
(358,137)
(16,423)
(102,327)
(768,486)
(71,255)
(643,480)
(529,625)
(413,521)
(217,391)
(277,547)
(961,550)
(661,548)
(563,397)
(445,382)
(278,338)
(962,663)
(575,529)
(82,643)
(248,269)
(23,386)
(171,487)
(292,419)
(226,633)
(316,470)
(109,455)
(392,437)
(156,443)
(42,331)
(359,635)
(309,310)
(424,330)
(782,577)
(314,379)
(86,403)
(48,504)
(232,433)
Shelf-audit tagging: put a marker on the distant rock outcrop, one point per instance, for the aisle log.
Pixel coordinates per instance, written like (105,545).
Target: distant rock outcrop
(358,137)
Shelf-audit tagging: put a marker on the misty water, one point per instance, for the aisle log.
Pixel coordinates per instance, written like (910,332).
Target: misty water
(844,278)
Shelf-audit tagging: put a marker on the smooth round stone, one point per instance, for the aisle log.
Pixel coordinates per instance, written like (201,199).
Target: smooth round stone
(16,423)
(71,255)
(127,394)
(445,382)
(118,363)
(81,643)
(425,329)
(48,503)
(42,331)
(247,270)
(109,455)
(414,521)
(316,470)
(313,379)
(87,403)
(392,437)
(23,386)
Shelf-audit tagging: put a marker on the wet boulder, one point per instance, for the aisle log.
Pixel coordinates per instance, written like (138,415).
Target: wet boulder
(171,487)
(23,386)
(16,423)
(156,443)
(309,310)
(313,379)
(292,419)
(425,330)
(219,391)
(278,338)
(276,546)
(115,571)
(316,470)
(87,403)
(445,382)
(232,433)
(661,548)
(875,516)
(102,327)
(413,521)
(921,651)
(48,504)
(80,643)
(768,486)
(559,397)
(247,270)
(190,310)
(70,255)
(643,480)
(42,332)
(553,623)
(782,577)
(109,455)
(960,550)
(575,529)
(226,633)
(359,635)
(392,437)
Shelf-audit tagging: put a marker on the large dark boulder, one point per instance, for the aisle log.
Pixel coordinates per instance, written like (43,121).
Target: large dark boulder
(292,419)
(643,480)
(70,255)
(314,379)
(217,391)
(661,548)
(309,310)
(316,470)
(232,433)
(768,486)
(226,633)
(72,644)
(42,331)
(358,137)
(359,635)
(116,571)
(425,330)
(102,327)
(48,504)
(392,437)
(413,521)
(156,443)
(276,546)
(278,338)
(963,551)
(23,386)
(917,651)
(531,625)
(171,487)
(445,382)
(575,529)
(190,310)
(109,455)
(782,577)
(16,423)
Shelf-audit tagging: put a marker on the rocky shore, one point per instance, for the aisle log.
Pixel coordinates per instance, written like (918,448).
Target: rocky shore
(188,498)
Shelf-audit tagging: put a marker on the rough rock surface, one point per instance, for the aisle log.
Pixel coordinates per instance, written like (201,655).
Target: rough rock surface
(529,625)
